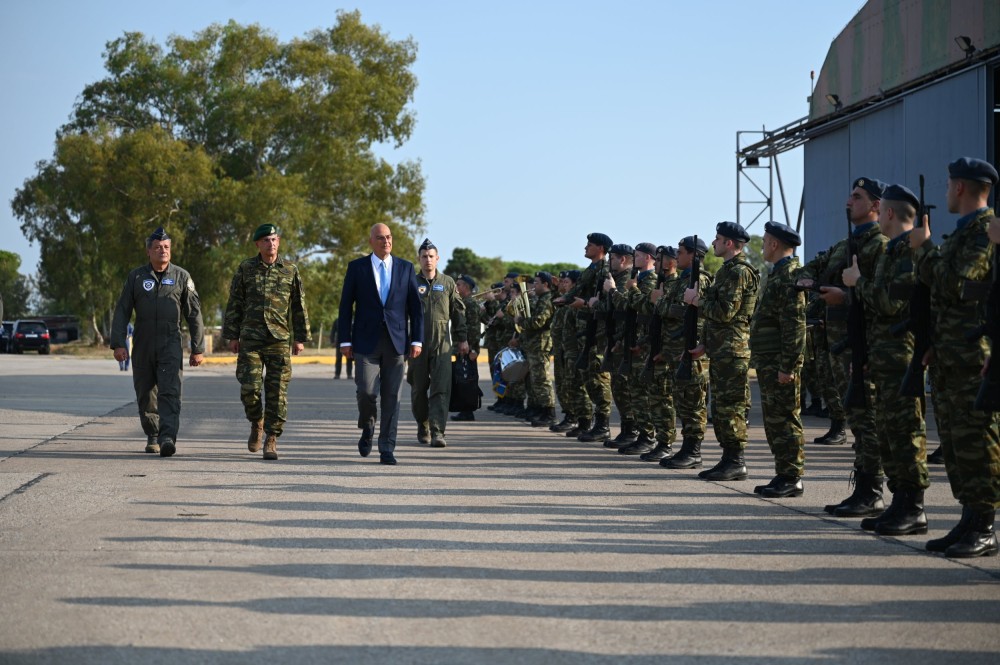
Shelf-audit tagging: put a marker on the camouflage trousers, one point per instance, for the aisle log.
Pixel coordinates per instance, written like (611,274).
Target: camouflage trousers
(597,385)
(690,399)
(861,419)
(782,422)
(829,375)
(576,403)
(899,423)
(621,388)
(970,439)
(730,402)
(542,395)
(266,365)
(660,401)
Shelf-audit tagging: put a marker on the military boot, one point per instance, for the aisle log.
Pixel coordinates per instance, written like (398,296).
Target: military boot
(271,447)
(564,425)
(530,413)
(256,439)
(689,456)
(815,408)
(599,432)
(837,436)
(953,536)
(643,444)
(979,538)
(731,467)
(547,418)
(866,500)
(661,451)
(151,445)
(167,447)
(905,516)
(936,457)
(582,425)
(628,435)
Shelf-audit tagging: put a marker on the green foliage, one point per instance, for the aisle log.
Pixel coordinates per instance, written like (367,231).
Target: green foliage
(212,135)
(524,268)
(15,288)
(484,270)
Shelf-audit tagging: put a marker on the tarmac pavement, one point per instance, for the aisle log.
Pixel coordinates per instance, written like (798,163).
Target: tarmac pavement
(512,545)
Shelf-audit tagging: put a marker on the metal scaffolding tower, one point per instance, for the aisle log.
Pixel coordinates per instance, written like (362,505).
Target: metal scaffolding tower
(757,167)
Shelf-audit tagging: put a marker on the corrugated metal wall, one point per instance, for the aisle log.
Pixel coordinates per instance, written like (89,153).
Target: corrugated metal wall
(922,133)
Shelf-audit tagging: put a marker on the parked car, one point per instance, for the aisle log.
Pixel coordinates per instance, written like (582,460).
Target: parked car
(30,335)
(6,333)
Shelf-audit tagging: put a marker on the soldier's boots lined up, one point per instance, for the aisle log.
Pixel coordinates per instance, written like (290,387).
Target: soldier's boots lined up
(271,447)
(167,447)
(642,445)
(904,517)
(661,451)
(151,445)
(627,435)
(582,426)
(864,501)
(564,425)
(732,466)
(781,487)
(837,436)
(547,418)
(601,430)
(689,456)
(979,538)
(256,439)
(942,544)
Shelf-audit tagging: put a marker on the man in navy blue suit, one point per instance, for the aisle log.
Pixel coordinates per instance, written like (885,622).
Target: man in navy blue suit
(378,306)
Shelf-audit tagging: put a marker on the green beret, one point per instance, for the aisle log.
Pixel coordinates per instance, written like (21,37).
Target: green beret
(265,230)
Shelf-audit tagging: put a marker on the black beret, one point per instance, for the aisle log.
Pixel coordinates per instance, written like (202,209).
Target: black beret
(544,276)
(875,188)
(784,233)
(496,285)
(970,168)
(468,280)
(265,230)
(160,234)
(621,249)
(689,244)
(901,193)
(512,275)
(667,250)
(427,245)
(600,239)
(732,230)
(647,247)
(573,275)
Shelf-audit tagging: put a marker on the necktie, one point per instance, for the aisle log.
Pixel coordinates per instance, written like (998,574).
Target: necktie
(383,280)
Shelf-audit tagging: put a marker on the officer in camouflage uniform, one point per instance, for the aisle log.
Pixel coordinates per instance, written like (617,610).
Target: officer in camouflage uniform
(777,344)
(583,298)
(160,294)
(661,378)
(862,210)
(690,396)
(265,321)
(466,286)
(493,303)
(557,330)
(899,419)
(572,346)
(620,259)
(517,390)
(970,439)
(727,306)
(536,340)
(646,395)
(429,374)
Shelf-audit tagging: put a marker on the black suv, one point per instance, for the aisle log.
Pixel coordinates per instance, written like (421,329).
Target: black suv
(31,335)
(6,334)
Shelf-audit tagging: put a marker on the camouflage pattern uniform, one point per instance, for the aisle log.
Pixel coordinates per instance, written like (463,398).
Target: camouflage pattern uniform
(578,400)
(559,378)
(429,374)
(727,306)
(536,341)
(474,329)
(644,394)
(159,301)
(777,342)
(266,313)
(597,383)
(491,335)
(970,439)
(621,385)
(900,420)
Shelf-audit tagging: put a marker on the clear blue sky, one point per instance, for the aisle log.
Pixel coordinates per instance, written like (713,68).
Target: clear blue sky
(537,122)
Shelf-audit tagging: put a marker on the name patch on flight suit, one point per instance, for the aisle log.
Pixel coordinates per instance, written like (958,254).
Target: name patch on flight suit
(167,281)
(438,287)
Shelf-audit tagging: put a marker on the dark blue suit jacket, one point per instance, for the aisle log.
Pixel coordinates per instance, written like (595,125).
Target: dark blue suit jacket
(362,313)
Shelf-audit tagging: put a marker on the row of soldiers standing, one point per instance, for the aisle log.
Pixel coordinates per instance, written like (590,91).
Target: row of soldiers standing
(644,293)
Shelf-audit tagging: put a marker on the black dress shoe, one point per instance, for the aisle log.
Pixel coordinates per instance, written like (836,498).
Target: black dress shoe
(786,486)
(365,442)
(386,458)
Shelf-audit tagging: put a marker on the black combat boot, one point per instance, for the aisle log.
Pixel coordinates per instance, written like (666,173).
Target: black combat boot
(582,425)
(953,536)
(599,432)
(837,436)
(547,418)
(530,413)
(628,435)
(781,487)
(936,457)
(731,467)
(905,515)
(815,408)
(689,456)
(661,451)
(564,425)
(979,538)
(866,500)
(642,445)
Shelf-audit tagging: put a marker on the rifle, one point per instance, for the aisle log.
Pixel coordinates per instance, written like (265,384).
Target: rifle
(988,397)
(630,332)
(856,337)
(655,334)
(590,332)
(609,328)
(919,321)
(690,321)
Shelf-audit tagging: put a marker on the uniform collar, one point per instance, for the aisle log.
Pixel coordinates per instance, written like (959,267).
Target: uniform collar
(963,221)
(861,229)
(780,263)
(895,241)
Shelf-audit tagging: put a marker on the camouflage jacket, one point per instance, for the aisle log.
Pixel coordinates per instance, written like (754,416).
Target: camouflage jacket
(965,255)
(613,302)
(778,329)
(266,302)
(671,308)
(536,335)
(882,310)
(636,300)
(473,329)
(727,306)
(560,319)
